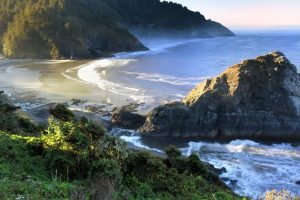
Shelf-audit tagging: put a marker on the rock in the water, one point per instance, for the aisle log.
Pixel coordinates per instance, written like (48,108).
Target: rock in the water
(76,102)
(257,99)
(298,182)
(125,118)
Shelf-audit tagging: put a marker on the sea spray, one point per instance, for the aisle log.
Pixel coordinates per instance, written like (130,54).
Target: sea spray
(252,168)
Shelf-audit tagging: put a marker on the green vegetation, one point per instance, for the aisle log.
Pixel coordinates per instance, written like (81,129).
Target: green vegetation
(284,195)
(75,158)
(60,28)
(24,175)
(10,121)
(75,28)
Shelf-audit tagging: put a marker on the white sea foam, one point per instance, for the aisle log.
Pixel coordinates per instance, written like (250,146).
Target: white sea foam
(136,141)
(88,73)
(193,147)
(253,173)
(133,138)
(166,78)
(256,167)
(51,62)
(72,78)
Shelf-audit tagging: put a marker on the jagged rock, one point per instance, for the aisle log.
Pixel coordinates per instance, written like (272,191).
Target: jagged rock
(257,99)
(124,117)
(76,102)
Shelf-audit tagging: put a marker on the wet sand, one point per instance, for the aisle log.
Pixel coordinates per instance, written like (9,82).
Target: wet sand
(32,83)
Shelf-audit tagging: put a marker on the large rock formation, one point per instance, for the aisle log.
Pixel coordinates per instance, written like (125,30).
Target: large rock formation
(257,99)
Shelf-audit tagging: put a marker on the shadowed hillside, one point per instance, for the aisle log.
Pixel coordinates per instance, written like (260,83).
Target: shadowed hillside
(74,28)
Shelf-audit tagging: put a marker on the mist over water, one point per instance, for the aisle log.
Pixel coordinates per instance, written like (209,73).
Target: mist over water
(170,73)
(167,73)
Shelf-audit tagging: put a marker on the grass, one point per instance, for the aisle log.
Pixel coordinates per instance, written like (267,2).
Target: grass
(76,159)
(24,176)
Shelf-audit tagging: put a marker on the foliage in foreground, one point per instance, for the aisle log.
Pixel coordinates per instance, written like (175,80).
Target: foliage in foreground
(279,195)
(76,159)
(10,121)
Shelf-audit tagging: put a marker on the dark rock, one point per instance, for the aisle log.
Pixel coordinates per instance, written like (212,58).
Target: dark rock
(220,171)
(76,102)
(101,109)
(229,181)
(298,182)
(214,170)
(41,113)
(125,118)
(233,182)
(257,99)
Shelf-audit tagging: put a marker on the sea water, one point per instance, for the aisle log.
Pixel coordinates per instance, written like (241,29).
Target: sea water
(173,67)
(252,168)
(167,73)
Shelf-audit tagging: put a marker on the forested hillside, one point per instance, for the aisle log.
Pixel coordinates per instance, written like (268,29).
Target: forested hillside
(75,28)
(61,28)
(158,18)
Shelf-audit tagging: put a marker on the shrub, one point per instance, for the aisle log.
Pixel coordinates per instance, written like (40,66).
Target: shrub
(25,176)
(279,195)
(104,168)
(11,122)
(78,150)
(62,113)
(172,152)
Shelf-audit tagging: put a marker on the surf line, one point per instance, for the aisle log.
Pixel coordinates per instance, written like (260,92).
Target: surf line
(89,73)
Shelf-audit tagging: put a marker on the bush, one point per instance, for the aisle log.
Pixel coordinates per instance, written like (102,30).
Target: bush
(62,113)
(11,122)
(105,168)
(172,152)
(102,166)
(279,195)
(25,176)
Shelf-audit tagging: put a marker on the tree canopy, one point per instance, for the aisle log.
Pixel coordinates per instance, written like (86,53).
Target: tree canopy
(75,28)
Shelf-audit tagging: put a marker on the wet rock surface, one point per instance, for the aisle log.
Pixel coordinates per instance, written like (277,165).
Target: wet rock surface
(127,118)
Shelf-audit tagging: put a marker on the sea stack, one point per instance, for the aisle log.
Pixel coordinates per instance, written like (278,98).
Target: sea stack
(257,99)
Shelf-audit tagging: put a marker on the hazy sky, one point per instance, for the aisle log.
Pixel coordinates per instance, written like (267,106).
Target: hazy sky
(248,13)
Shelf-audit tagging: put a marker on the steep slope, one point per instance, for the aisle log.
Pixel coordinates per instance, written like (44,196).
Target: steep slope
(75,158)
(156,18)
(258,98)
(57,28)
(74,28)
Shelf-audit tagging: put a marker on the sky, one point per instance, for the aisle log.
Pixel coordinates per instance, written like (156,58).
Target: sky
(248,13)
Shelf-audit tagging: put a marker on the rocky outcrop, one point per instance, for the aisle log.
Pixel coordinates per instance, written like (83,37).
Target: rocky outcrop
(257,99)
(126,118)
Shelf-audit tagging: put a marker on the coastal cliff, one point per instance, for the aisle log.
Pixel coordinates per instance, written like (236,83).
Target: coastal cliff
(257,99)
(82,29)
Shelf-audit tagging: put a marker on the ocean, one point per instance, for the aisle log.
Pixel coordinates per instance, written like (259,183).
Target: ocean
(167,73)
